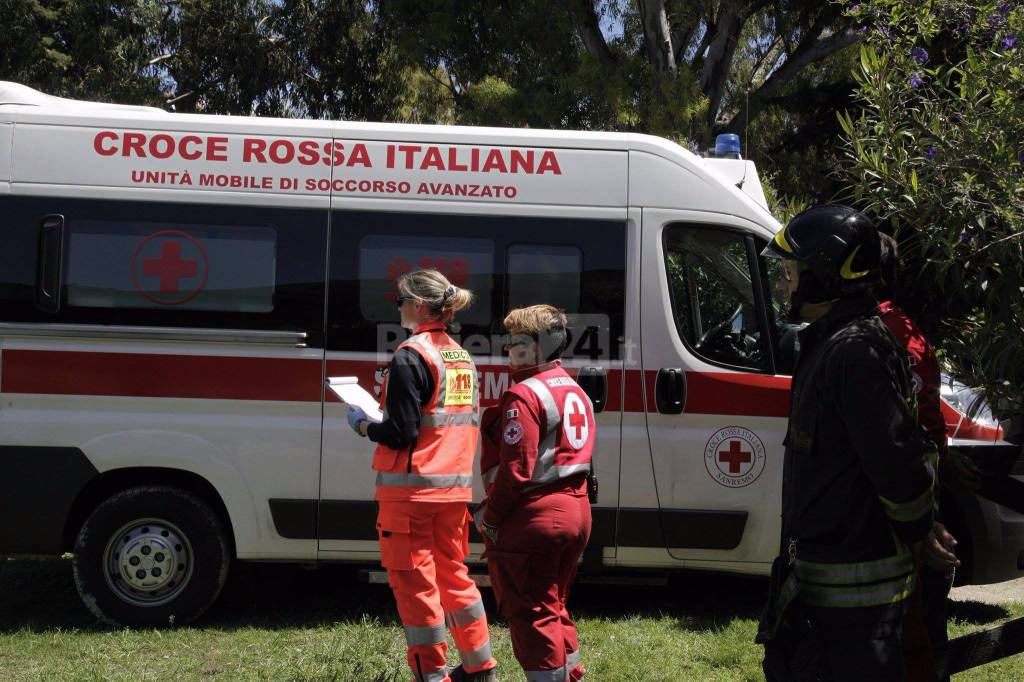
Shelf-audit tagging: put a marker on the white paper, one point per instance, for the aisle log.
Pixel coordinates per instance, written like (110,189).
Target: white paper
(349,390)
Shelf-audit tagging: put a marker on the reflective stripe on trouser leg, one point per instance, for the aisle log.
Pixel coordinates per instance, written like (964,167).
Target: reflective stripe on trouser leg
(424,635)
(431,676)
(556,675)
(469,630)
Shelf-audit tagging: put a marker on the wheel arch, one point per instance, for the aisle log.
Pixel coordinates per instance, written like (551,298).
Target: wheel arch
(111,482)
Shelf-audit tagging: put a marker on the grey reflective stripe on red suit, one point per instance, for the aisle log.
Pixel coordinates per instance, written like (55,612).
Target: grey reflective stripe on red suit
(404,480)
(545,470)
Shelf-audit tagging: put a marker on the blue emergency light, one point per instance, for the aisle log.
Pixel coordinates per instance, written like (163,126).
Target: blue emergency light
(727,146)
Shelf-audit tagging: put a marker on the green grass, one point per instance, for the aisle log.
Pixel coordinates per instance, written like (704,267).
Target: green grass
(282,622)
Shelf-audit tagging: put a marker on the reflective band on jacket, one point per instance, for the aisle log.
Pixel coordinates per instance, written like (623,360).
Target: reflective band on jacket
(432,676)
(466,615)
(556,675)
(854,596)
(425,635)
(475,659)
(439,419)
(488,476)
(430,351)
(854,573)
(546,471)
(907,512)
(400,480)
(572,659)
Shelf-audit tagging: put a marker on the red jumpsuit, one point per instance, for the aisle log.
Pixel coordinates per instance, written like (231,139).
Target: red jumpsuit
(537,446)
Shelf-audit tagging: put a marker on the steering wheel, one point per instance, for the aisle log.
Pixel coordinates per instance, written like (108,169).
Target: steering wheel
(723,328)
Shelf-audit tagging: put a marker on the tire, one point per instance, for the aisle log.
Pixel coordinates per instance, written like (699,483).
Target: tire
(151,556)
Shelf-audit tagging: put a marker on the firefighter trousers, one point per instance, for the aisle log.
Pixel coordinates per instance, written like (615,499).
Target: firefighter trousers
(423,546)
(532,567)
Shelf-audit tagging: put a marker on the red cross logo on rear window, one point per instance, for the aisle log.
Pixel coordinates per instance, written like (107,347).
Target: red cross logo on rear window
(169,267)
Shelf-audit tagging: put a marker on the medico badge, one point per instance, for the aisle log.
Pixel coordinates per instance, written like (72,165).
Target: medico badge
(513,433)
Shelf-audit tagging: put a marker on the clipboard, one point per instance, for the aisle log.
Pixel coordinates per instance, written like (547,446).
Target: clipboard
(351,393)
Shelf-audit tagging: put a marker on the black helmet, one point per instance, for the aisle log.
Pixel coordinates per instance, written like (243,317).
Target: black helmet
(839,248)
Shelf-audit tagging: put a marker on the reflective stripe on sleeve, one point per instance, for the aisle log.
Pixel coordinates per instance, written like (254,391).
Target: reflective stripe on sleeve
(488,476)
(425,635)
(466,615)
(404,480)
(910,511)
(572,659)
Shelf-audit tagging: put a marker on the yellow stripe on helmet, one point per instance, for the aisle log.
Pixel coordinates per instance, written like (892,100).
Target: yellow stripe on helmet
(846,272)
(780,239)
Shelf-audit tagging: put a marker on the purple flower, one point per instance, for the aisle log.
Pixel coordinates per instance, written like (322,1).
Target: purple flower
(919,55)
(1020,158)
(967,236)
(1009,42)
(931,153)
(915,80)
(855,8)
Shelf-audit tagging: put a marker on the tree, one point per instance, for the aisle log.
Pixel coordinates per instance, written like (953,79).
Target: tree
(935,149)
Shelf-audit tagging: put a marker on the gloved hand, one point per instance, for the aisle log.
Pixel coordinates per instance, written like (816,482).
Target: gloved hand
(355,416)
(489,532)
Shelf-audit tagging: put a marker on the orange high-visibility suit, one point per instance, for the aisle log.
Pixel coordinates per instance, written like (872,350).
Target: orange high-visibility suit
(422,491)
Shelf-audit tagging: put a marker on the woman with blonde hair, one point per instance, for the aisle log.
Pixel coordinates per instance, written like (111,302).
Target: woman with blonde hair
(424,463)
(536,461)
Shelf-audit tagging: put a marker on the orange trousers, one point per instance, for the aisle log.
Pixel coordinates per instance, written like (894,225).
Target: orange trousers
(423,546)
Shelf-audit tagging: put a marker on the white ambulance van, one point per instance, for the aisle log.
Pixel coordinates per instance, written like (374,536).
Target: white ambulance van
(174,290)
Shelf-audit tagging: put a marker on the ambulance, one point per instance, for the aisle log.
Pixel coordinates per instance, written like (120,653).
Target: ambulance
(175,290)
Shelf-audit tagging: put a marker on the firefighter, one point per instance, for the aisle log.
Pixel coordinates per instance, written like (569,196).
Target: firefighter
(859,473)
(424,462)
(536,463)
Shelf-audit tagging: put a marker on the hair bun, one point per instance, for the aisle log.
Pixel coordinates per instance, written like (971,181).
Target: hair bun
(449,292)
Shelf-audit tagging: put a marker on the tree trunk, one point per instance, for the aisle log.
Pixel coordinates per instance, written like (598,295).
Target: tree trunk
(657,35)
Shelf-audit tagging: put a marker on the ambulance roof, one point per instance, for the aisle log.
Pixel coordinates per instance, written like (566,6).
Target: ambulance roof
(586,169)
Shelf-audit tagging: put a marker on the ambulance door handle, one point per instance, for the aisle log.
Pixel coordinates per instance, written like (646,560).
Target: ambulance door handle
(670,390)
(48,270)
(594,382)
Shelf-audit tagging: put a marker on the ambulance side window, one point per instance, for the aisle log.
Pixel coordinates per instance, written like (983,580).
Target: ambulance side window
(714,302)
(506,261)
(150,264)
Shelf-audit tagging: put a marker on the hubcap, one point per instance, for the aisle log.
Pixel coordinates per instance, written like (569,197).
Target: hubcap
(148,562)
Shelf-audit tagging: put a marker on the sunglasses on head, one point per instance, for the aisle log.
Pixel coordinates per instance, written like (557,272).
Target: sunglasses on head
(402,299)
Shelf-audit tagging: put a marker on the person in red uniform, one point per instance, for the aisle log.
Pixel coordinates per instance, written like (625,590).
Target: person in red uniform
(424,462)
(535,461)
(925,624)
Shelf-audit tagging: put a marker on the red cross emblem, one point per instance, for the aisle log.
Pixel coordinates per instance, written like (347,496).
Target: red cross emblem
(169,267)
(734,456)
(576,428)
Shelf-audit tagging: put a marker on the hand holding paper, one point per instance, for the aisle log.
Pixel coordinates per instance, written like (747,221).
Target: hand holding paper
(349,390)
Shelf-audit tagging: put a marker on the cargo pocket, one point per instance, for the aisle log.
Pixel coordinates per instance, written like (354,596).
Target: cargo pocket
(395,543)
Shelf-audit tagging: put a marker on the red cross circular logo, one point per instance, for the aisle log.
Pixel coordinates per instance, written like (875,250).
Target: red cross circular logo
(734,457)
(169,267)
(574,421)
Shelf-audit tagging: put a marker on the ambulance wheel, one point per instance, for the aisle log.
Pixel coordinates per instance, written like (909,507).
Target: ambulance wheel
(151,556)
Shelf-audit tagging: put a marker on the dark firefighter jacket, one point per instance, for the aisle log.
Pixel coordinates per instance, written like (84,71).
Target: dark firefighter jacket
(859,470)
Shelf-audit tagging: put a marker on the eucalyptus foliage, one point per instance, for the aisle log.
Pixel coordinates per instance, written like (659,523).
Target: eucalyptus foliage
(935,148)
